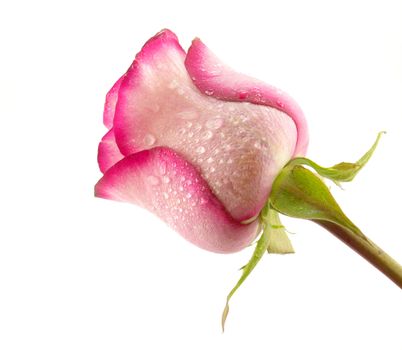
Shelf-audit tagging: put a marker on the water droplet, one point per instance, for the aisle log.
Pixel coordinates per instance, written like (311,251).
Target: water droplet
(180,210)
(204,200)
(200,150)
(189,182)
(257,144)
(206,135)
(188,195)
(153,180)
(210,160)
(181,188)
(178,201)
(180,91)
(218,184)
(209,92)
(189,124)
(165,195)
(227,147)
(220,161)
(190,134)
(149,139)
(214,123)
(212,169)
(280,103)
(230,161)
(216,151)
(182,178)
(162,168)
(181,131)
(165,179)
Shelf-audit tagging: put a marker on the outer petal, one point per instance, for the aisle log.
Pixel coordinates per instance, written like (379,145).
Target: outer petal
(110,103)
(108,152)
(239,148)
(163,182)
(213,78)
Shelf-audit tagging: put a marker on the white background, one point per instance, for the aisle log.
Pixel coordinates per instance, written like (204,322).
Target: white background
(83,273)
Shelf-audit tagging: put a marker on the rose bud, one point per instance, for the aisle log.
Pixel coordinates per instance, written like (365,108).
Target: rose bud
(196,143)
(218,156)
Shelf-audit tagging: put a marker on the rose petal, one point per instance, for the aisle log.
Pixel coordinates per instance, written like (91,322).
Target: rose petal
(108,152)
(110,103)
(214,78)
(238,147)
(164,183)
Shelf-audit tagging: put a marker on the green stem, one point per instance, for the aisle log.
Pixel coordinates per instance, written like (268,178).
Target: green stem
(367,249)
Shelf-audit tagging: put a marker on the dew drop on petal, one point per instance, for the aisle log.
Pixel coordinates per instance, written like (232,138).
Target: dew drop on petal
(204,200)
(280,103)
(162,168)
(200,150)
(214,123)
(209,92)
(257,144)
(165,195)
(188,195)
(165,179)
(206,135)
(149,139)
(210,160)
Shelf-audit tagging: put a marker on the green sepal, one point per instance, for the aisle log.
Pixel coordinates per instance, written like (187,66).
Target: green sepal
(341,172)
(279,242)
(299,193)
(273,239)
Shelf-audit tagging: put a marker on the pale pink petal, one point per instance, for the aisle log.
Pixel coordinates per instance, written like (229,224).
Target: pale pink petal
(164,183)
(108,152)
(239,148)
(110,103)
(214,78)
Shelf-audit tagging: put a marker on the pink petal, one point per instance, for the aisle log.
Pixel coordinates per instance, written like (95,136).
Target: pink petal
(214,78)
(164,183)
(108,152)
(239,148)
(110,103)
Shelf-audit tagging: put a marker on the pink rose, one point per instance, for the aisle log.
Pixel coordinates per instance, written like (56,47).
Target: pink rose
(196,143)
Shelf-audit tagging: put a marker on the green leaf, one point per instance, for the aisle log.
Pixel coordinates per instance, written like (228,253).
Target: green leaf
(342,172)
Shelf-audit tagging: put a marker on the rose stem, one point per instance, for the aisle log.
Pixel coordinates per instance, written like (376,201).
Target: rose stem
(367,249)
